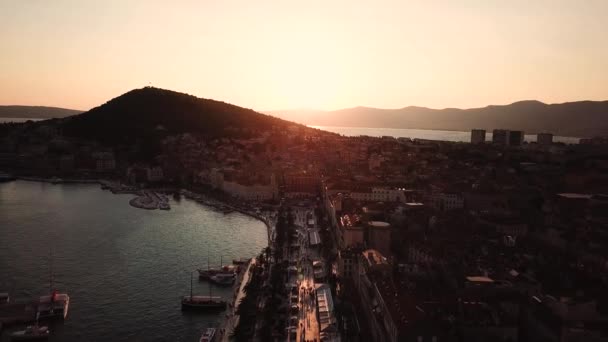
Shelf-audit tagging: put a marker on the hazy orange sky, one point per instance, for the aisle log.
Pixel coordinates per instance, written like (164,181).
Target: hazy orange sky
(305,54)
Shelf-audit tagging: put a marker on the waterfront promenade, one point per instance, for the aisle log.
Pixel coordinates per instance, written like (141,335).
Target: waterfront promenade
(231,319)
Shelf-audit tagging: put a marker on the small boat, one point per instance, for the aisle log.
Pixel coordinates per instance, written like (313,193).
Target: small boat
(31,333)
(209,272)
(54,306)
(241,261)
(208,335)
(223,278)
(202,302)
(4,298)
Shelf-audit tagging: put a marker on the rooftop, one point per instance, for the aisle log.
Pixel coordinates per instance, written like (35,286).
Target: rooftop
(373,257)
(379,224)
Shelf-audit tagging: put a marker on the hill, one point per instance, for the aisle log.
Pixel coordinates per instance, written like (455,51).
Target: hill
(578,119)
(36,112)
(147,114)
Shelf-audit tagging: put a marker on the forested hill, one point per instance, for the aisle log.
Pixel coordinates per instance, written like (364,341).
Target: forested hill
(148,112)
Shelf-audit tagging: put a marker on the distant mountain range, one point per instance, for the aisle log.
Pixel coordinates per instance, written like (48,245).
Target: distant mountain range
(35,112)
(577,119)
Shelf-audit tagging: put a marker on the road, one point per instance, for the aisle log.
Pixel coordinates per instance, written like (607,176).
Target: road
(308,327)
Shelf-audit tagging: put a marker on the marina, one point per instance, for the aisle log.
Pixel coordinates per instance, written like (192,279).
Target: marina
(202,303)
(150,200)
(124,272)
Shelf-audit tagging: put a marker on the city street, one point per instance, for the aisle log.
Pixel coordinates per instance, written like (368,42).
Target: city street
(308,327)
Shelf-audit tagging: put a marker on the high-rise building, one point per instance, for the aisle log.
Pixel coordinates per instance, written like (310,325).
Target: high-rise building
(478,136)
(506,137)
(516,138)
(500,137)
(544,138)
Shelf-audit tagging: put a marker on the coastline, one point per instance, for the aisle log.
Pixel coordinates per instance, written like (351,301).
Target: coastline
(221,205)
(56,180)
(87,194)
(231,319)
(118,188)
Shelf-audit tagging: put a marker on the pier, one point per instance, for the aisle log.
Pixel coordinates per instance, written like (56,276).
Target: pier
(150,200)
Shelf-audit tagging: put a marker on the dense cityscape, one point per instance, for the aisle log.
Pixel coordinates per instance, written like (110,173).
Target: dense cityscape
(304,171)
(383,239)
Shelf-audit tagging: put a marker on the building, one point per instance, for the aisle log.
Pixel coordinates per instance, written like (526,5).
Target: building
(350,231)
(544,138)
(446,201)
(372,264)
(506,137)
(142,174)
(347,261)
(154,174)
(104,161)
(382,194)
(516,138)
(379,236)
(500,137)
(505,224)
(478,136)
(302,182)
(325,312)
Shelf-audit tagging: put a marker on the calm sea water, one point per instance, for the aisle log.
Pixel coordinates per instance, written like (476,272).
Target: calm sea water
(124,268)
(17,119)
(426,134)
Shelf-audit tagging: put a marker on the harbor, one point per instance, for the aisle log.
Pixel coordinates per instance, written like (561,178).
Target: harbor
(135,264)
(150,200)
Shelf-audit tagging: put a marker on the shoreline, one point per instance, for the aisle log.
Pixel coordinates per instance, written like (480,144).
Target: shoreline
(118,188)
(229,320)
(218,204)
(531,133)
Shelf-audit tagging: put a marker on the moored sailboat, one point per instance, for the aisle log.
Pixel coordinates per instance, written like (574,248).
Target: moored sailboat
(202,302)
(55,304)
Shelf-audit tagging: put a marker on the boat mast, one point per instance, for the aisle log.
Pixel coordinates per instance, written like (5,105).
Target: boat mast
(209,274)
(51,271)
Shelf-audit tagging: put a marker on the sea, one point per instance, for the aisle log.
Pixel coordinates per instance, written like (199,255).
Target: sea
(17,120)
(456,136)
(428,134)
(124,268)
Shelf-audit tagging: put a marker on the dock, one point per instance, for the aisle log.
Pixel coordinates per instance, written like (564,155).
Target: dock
(150,200)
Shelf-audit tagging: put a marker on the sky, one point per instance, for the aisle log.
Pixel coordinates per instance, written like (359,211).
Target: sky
(284,54)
